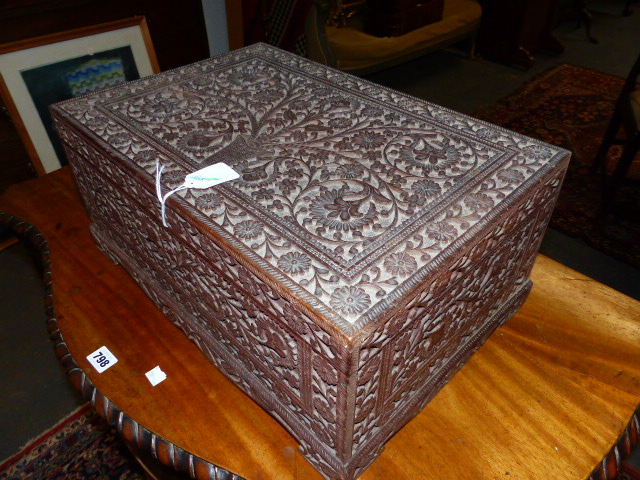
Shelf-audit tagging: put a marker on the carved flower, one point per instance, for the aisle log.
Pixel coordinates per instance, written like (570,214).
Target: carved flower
(294,262)
(511,175)
(173,178)
(369,140)
(537,152)
(350,170)
(294,173)
(292,316)
(427,157)
(248,229)
(326,371)
(333,211)
(146,157)
(209,201)
(298,136)
(445,117)
(488,133)
(479,202)
(426,188)
(400,264)
(442,232)
(350,300)
(288,185)
(214,103)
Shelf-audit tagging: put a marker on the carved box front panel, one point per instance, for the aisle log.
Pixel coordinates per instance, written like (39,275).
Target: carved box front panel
(370,244)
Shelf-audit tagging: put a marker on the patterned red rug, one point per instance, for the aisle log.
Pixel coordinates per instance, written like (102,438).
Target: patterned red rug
(80,447)
(570,106)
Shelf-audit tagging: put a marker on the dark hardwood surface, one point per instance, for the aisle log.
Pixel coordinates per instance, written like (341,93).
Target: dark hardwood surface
(547,396)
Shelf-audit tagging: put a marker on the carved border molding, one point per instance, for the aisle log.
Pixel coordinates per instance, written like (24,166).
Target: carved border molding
(609,467)
(131,431)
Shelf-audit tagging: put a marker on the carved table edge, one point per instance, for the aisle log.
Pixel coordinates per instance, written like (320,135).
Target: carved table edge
(131,431)
(610,466)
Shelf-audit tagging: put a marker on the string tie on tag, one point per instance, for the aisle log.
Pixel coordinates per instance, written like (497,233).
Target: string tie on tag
(163,198)
(204,178)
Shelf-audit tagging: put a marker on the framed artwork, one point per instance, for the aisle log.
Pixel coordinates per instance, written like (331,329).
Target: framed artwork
(37,72)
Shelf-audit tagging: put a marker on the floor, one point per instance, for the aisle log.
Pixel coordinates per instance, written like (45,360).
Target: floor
(34,393)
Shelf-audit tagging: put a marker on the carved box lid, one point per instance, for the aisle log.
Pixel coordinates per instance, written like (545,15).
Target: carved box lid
(349,195)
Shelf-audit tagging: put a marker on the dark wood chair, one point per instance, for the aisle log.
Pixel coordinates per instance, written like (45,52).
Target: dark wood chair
(351,48)
(623,129)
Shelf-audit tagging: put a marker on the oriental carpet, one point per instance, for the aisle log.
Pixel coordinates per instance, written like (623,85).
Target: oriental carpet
(80,447)
(570,107)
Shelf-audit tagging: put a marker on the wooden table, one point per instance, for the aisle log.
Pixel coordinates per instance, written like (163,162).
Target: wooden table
(547,396)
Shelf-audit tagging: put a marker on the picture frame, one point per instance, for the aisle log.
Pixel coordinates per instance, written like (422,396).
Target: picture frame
(39,71)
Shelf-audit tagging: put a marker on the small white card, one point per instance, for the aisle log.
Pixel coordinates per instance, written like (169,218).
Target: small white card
(156,375)
(210,176)
(102,359)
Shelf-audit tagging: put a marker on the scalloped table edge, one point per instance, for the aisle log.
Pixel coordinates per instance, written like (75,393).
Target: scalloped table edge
(133,433)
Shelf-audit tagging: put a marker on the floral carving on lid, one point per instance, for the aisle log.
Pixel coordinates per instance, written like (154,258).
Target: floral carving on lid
(347,191)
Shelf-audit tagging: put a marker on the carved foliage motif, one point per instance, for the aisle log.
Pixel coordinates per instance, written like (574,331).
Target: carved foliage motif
(252,321)
(372,185)
(446,312)
(371,244)
(411,353)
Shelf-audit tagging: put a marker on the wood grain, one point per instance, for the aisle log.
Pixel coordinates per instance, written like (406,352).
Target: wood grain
(547,396)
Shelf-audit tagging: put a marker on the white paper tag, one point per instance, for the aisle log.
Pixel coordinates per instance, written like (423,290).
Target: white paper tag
(204,178)
(156,375)
(102,359)
(210,176)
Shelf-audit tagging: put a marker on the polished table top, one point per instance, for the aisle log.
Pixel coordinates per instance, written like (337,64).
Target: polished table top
(547,396)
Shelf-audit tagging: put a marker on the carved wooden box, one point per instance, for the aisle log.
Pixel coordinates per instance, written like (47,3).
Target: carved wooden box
(371,243)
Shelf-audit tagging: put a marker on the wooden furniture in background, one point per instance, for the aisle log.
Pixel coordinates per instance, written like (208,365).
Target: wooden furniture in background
(548,395)
(384,18)
(623,129)
(352,49)
(578,11)
(512,31)
(235,28)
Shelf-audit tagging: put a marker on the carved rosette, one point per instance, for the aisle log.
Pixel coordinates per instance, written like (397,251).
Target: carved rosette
(370,245)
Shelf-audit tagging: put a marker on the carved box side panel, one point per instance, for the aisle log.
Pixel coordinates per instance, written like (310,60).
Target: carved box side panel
(264,342)
(408,358)
(283,355)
